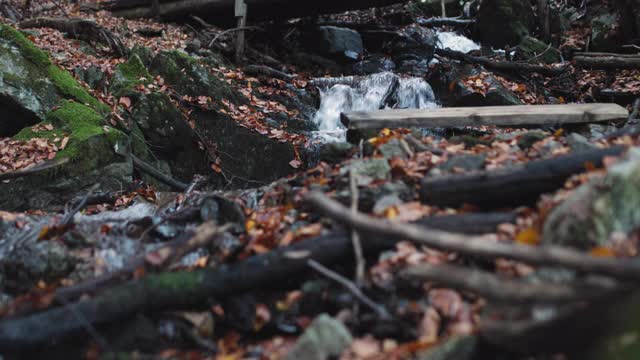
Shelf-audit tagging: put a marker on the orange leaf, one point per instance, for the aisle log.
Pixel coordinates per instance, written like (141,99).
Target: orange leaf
(601,251)
(528,236)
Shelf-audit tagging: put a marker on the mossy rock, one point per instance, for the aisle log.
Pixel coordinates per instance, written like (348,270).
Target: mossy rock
(534,50)
(127,76)
(604,33)
(504,22)
(31,85)
(189,77)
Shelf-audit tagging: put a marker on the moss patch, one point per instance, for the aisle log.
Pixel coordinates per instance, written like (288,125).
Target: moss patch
(128,76)
(28,49)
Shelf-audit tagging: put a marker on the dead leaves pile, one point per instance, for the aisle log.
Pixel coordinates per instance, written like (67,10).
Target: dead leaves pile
(17,154)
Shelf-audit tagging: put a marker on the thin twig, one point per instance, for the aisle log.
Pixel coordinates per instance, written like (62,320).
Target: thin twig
(355,237)
(68,217)
(241,28)
(351,287)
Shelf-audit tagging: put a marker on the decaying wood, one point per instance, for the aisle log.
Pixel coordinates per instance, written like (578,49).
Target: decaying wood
(262,70)
(438,21)
(504,289)
(608,62)
(516,116)
(505,66)
(80,29)
(512,186)
(626,269)
(224,9)
(157,174)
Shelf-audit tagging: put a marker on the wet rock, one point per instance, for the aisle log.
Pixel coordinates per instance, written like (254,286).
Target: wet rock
(386,202)
(453,348)
(189,77)
(414,49)
(504,22)
(374,64)
(532,49)
(35,261)
(305,102)
(599,208)
(579,143)
(341,43)
(324,339)
(144,54)
(461,95)
(529,138)
(247,158)
(335,152)
(605,35)
(464,162)
(193,46)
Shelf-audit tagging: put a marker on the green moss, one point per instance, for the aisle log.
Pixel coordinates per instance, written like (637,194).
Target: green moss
(69,87)
(128,75)
(27,48)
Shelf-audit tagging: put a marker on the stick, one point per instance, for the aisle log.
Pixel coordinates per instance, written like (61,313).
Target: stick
(352,288)
(157,174)
(503,289)
(355,237)
(475,246)
(506,66)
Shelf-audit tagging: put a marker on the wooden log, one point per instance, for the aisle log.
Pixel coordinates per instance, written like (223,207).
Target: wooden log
(608,62)
(445,22)
(517,116)
(504,66)
(224,9)
(514,186)
(603,54)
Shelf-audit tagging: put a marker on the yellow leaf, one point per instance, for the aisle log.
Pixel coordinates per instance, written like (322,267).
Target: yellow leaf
(250,225)
(528,236)
(385,132)
(391,212)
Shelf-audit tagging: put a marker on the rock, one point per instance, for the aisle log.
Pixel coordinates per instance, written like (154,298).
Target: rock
(341,43)
(326,338)
(30,85)
(605,35)
(248,159)
(442,78)
(193,46)
(464,162)
(144,54)
(534,50)
(93,76)
(305,102)
(368,170)
(579,143)
(386,202)
(127,76)
(393,148)
(454,348)
(37,260)
(414,49)
(189,77)
(335,152)
(599,208)
(373,65)
(504,22)
(529,138)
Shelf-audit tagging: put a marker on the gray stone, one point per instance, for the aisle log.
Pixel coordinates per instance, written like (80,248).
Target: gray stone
(326,338)
(529,138)
(368,170)
(464,162)
(597,209)
(335,152)
(385,202)
(93,76)
(579,143)
(373,65)
(38,260)
(342,42)
(127,76)
(393,148)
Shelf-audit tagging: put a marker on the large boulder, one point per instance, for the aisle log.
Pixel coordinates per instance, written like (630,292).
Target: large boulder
(504,22)
(340,43)
(606,34)
(36,91)
(599,208)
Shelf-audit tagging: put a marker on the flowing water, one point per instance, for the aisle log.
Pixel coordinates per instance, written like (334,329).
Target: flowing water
(377,91)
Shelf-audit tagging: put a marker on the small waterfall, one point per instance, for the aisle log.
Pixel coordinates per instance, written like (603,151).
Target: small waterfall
(366,93)
(454,41)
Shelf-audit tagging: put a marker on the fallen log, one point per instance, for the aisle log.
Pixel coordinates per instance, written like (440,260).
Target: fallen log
(263,70)
(607,62)
(516,116)
(513,186)
(505,66)
(603,54)
(438,21)
(224,9)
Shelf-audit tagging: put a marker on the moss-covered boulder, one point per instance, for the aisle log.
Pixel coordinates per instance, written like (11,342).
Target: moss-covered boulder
(189,77)
(30,85)
(127,76)
(534,50)
(35,91)
(599,208)
(504,22)
(605,33)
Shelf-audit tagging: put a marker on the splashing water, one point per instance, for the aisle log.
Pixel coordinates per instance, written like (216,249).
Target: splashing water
(367,93)
(454,41)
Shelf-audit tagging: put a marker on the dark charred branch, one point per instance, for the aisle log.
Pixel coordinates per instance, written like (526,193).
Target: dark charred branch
(514,186)
(608,62)
(157,174)
(504,66)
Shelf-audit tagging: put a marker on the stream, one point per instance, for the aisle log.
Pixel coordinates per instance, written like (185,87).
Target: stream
(384,90)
